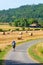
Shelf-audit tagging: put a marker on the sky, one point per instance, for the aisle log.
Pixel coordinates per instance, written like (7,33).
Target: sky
(6,4)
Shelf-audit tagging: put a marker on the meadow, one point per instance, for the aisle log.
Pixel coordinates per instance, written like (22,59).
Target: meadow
(13,35)
(36,52)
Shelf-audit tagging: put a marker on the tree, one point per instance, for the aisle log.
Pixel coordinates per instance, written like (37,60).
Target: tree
(10,23)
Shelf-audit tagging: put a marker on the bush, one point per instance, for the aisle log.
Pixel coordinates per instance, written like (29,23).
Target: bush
(37,29)
(23,28)
(41,28)
(0,50)
(42,51)
(9,29)
(1,30)
(17,29)
(30,29)
(10,24)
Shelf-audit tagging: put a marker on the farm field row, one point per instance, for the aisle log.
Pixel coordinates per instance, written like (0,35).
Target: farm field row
(8,38)
(7,27)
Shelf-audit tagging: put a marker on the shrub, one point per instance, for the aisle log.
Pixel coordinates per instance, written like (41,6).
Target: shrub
(42,51)
(30,29)
(41,28)
(23,28)
(10,24)
(9,29)
(1,30)
(37,29)
(17,29)
(0,50)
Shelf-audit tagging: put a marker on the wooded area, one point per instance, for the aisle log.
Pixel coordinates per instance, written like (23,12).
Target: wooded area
(27,14)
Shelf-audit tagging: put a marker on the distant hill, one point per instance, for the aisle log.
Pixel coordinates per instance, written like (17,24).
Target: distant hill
(26,11)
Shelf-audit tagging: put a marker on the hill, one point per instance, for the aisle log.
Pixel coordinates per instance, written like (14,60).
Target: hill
(26,11)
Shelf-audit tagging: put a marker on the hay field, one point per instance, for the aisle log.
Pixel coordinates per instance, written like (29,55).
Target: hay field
(8,38)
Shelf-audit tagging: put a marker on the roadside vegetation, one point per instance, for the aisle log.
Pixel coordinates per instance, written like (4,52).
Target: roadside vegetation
(36,52)
(3,52)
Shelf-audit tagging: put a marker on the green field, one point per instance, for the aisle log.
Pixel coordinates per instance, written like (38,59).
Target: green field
(36,53)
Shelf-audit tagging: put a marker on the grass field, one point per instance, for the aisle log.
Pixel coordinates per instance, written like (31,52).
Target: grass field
(36,52)
(3,52)
(10,36)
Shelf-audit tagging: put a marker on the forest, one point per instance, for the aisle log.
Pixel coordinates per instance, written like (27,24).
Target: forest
(27,14)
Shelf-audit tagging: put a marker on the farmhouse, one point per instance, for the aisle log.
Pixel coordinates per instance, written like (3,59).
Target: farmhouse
(34,25)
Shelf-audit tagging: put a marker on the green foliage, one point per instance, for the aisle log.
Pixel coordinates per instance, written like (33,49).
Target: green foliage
(30,29)
(1,30)
(40,21)
(0,50)
(37,29)
(23,28)
(17,29)
(34,55)
(23,16)
(8,29)
(2,53)
(10,23)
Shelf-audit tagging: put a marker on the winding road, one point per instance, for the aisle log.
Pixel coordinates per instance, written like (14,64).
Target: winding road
(20,55)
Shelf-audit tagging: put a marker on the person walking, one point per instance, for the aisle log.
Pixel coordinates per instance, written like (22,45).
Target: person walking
(14,44)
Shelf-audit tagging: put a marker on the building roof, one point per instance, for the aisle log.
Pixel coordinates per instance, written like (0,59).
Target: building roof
(34,24)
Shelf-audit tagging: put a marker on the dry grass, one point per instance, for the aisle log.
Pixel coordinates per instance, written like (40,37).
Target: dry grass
(7,27)
(39,49)
(8,38)
(36,52)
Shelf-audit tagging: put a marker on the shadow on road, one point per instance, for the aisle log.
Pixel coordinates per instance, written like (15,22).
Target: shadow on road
(10,62)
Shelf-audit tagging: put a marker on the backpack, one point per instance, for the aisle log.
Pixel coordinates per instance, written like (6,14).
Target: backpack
(13,43)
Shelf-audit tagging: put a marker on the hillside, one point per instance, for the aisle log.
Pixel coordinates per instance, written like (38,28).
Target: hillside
(26,11)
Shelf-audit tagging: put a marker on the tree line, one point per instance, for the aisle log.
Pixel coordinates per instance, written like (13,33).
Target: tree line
(24,22)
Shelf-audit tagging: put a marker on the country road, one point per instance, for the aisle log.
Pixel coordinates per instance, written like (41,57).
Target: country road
(20,56)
